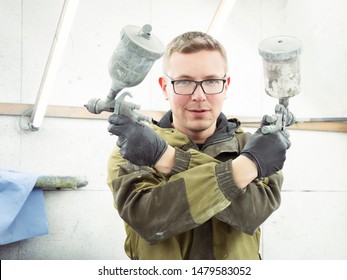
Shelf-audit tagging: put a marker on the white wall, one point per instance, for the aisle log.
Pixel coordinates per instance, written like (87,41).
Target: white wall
(83,224)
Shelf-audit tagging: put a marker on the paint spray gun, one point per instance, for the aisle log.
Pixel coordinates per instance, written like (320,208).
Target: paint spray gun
(131,61)
(282,78)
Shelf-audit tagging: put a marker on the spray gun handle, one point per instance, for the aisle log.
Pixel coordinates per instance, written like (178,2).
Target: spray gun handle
(279,121)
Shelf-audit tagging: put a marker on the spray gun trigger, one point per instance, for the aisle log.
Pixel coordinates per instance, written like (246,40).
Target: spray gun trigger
(128,109)
(120,101)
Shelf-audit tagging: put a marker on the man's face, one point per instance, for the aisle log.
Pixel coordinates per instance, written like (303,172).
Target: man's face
(195,114)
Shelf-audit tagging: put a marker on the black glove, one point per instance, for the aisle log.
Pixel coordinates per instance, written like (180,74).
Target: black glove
(268,151)
(138,143)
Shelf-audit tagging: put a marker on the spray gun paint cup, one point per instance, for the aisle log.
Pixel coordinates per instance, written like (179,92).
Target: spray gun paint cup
(281,66)
(134,56)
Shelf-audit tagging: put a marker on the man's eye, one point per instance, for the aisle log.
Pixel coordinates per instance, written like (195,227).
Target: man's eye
(212,82)
(183,83)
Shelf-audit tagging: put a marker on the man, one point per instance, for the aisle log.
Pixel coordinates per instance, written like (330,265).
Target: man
(189,187)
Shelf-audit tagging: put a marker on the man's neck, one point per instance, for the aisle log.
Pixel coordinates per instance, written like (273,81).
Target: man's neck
(198,137)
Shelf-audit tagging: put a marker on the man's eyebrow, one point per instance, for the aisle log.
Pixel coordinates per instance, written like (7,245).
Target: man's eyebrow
(208,77)
(183,77)
(214,77)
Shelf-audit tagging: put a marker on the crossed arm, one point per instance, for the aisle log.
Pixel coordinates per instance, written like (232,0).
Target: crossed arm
(197,187)
(243,169)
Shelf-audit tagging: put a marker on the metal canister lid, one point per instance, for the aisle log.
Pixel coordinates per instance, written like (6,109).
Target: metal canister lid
(280,48)
(143,38)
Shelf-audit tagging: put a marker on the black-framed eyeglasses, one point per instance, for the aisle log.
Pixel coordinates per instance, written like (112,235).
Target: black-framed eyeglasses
(188,87)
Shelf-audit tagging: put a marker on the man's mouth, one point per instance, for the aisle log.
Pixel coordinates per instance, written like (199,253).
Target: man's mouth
(198,110)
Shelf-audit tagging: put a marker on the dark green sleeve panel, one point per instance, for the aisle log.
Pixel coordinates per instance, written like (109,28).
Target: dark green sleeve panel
(156,213)
(249,210)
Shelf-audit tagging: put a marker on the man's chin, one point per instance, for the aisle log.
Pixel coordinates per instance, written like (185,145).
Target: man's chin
(199,125)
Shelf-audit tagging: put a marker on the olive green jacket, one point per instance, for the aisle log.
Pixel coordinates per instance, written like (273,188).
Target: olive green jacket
(196,211)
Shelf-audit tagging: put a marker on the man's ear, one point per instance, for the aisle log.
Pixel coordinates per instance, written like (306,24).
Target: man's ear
(227,84)
(163,85)
(228,81)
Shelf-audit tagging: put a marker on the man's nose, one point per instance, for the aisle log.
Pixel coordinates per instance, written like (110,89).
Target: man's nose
(199,94)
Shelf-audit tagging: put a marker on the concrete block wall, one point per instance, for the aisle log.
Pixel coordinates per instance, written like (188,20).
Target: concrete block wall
(312,221)
(83,223)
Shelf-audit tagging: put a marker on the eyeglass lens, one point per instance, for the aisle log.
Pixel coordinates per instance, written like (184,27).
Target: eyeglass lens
(212,86)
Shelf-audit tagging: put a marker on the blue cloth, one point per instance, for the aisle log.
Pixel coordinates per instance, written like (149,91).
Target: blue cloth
(22,208)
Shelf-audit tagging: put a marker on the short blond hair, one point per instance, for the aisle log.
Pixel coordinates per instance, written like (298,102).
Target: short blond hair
(192,42)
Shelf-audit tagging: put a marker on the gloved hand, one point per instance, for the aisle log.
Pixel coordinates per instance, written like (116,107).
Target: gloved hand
(138,143)
(268,151)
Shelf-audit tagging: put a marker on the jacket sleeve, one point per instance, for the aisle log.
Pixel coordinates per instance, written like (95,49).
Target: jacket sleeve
(249,208)
(158,207)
